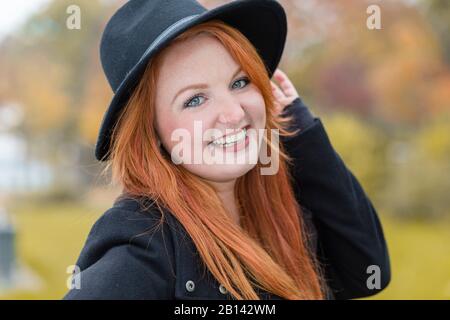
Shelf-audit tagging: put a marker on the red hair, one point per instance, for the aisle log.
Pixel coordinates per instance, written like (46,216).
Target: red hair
(269,251)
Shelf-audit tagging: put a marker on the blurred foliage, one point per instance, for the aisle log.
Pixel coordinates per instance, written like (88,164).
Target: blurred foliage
(439,14)
(397,74)
(56,76)
(404,173)
(362,146)
(419,173)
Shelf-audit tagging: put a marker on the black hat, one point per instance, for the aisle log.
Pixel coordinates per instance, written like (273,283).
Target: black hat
(140,28)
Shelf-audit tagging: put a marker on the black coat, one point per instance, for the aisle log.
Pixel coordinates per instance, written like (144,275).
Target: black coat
(121,259)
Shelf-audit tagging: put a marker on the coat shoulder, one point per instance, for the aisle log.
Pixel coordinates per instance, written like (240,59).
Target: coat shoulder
(128,254)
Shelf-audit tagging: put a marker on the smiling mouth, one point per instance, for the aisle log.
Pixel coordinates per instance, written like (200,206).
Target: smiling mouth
(231,139)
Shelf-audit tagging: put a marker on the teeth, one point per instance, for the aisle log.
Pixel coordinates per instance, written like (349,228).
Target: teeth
(232,139)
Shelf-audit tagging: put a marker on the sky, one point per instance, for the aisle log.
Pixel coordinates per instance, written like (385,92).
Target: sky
(14,13)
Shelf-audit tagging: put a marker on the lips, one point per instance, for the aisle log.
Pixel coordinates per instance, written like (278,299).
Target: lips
(230,134)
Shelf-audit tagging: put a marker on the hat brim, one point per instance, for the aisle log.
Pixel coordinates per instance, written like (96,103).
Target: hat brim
(263,22)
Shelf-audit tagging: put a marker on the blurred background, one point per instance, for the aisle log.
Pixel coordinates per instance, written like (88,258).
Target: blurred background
(382,94)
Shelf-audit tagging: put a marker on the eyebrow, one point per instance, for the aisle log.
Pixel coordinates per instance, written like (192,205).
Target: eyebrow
(201,85)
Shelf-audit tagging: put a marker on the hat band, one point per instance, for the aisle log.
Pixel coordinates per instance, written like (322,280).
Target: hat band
(154,44)
(165,33)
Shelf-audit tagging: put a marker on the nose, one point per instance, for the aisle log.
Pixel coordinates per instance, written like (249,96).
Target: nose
(231,113)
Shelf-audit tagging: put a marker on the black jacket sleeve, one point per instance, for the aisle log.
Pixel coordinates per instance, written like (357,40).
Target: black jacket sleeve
(350,236)
(126,256)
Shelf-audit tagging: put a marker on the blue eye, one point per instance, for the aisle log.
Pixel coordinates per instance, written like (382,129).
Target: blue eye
(245,79)
(196,97)
(187,104)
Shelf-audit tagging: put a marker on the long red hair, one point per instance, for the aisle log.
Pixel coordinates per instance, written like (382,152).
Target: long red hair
(269,250)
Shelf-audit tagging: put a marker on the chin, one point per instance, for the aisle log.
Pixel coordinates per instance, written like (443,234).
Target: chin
(228,172)
(220,173)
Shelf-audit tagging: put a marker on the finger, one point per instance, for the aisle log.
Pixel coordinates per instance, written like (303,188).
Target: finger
(277,91)
(280,96)
(286,85)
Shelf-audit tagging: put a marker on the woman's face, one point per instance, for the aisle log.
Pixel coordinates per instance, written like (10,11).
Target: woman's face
(202,95)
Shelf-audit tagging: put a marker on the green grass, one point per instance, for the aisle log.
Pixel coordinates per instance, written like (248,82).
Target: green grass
(50,238)
(420,259)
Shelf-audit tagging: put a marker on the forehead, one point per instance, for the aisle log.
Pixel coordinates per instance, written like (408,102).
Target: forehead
(196,59)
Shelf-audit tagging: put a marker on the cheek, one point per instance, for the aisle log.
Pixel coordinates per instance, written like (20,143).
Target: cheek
(257,112)
(184,125)
(164,126)
(171,128)
(166,123)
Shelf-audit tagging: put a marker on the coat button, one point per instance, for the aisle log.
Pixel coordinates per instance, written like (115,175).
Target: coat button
(190,286)
(222,289)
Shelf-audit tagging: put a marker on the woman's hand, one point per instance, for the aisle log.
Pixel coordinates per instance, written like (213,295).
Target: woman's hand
(285,93)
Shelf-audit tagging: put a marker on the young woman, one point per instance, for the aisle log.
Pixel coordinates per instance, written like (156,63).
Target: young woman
(186,228)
